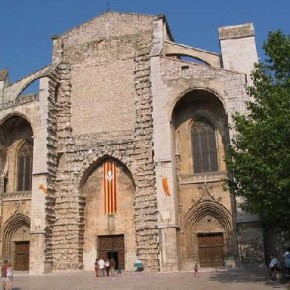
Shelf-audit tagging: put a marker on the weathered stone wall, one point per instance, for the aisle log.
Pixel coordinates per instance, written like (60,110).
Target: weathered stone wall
(65,248)
(238,48)
(181,77)
(108,25)
(145,196)
(52,158)
(104,108)
(251,246)
(102,87)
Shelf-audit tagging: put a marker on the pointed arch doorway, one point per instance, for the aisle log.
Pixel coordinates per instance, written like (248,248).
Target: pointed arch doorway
(16,241)
(106,233)
(208,227)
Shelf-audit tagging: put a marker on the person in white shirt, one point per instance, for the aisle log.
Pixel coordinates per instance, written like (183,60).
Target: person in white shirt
(274,263)
(101,264)
(274,266)
(9,283)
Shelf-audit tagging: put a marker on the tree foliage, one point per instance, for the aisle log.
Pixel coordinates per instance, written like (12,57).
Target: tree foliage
(259,157)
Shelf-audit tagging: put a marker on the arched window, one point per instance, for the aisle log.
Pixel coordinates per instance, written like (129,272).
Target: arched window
(24,163)
(204,149)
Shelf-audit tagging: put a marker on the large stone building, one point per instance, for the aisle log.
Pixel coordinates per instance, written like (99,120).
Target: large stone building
(121,152)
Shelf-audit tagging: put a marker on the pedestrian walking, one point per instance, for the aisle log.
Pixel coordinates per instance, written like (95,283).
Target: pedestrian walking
(9,277)
(274,268)
(107,267)
(195,269)
(96,265)
(4,273)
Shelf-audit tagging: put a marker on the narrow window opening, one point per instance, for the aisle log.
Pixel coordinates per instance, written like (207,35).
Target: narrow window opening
(204,149)
(24,162)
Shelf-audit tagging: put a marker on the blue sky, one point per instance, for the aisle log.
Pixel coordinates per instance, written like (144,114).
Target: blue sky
(27,25)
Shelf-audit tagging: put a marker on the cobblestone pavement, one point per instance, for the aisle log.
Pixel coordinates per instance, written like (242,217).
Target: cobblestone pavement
(238,279)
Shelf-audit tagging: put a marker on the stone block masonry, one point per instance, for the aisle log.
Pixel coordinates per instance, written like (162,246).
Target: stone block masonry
(103,133)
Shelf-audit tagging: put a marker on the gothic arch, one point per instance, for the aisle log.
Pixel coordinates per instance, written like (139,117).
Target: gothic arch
(205,114)
(10,227)
(23,166)
(15,129)
(199,103)
(210,91)
(97,160)
(107,210)
(216,213)
(208,207)
(16,115)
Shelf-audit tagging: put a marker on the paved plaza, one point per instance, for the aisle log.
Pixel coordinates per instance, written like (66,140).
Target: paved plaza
(208,279)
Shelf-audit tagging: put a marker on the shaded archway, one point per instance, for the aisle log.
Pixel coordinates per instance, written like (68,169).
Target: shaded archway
(15,130)
(201,135)
(15,127)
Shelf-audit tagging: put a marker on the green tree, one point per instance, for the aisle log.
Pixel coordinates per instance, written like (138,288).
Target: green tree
(259,157)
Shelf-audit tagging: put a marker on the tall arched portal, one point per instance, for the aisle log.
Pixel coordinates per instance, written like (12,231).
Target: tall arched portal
(109,214)
(207,230)
(16,158)
(205,208)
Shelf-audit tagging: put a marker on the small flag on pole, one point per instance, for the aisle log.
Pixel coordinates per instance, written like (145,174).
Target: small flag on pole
(110,187)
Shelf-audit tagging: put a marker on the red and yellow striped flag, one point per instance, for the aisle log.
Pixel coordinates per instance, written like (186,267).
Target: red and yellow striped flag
(110,187)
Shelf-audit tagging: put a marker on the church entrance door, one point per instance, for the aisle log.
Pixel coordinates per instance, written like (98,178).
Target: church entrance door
(112,246)
(21,262)
(211,249)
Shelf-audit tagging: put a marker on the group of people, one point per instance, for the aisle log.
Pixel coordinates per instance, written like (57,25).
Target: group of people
(277,266)
(105,268)
(7,275)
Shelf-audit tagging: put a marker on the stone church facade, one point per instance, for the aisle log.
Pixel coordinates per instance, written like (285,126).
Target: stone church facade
(121,151)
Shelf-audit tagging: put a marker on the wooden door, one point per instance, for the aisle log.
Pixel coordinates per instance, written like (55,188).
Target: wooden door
(21,260)
(107,245)
(211,249)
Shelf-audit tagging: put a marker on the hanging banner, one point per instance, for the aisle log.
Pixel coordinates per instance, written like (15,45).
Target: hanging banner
(165,186)
(110,187)
(43,188)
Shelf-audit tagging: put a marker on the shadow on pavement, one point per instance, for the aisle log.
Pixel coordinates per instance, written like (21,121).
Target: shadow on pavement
(251,275)
(240,275)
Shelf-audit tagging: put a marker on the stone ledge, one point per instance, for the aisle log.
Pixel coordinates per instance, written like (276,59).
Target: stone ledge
(237,31)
